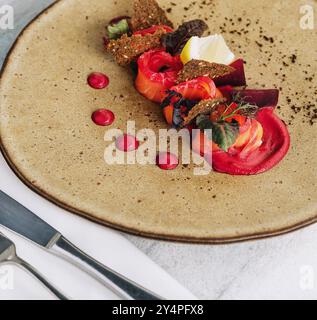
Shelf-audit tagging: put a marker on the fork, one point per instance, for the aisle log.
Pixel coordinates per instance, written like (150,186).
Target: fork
(8,255)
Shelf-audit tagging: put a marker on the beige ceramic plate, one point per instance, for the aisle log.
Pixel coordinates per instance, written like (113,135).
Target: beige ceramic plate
(50,142)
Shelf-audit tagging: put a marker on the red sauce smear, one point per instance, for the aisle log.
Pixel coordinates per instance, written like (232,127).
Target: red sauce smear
(276,143)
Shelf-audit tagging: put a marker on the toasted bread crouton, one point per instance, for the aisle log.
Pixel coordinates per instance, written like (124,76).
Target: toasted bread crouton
(203,107)
(128,49)
(198,68)
(148,13)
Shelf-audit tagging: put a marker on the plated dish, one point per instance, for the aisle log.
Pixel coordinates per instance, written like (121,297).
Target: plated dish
(200,84)
(53,122)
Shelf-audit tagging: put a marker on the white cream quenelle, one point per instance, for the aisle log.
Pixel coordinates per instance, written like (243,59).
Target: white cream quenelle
(212,49)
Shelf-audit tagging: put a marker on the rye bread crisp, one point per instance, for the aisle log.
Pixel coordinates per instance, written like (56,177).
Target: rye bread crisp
(128,49)
(198,68)
(203,107)
(148,13)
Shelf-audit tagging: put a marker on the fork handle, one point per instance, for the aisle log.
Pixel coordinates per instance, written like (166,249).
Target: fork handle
(120,285)
(25,265)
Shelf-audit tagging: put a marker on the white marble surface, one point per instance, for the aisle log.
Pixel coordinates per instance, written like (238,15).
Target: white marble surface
(278,268)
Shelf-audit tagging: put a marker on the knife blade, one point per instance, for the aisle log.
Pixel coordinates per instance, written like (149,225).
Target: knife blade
(22,221)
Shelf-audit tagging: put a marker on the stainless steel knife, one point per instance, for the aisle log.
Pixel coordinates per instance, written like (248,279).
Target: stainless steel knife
(19,219)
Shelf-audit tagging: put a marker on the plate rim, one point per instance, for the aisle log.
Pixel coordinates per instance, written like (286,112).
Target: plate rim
(116,226)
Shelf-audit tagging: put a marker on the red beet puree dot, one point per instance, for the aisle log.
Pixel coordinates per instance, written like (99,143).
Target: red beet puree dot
(127,143)
(103,117)
(167,161)
(98,80)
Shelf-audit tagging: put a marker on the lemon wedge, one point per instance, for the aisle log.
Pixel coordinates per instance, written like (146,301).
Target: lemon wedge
(212,49)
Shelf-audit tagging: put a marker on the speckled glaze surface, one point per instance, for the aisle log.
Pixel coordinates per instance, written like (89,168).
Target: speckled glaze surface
(49,140)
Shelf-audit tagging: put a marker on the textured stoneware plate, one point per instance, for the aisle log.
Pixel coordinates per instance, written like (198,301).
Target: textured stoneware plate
(50,142)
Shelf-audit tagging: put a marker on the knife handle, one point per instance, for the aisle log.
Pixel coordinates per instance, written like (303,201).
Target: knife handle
(117,283)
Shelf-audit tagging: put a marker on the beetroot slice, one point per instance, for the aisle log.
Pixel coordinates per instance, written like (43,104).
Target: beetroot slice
(260,98)
(236,78)
(226,92)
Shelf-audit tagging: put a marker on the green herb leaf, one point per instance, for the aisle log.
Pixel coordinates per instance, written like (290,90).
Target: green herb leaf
(244,109)
(204,123)
(224,134)
(115,31)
